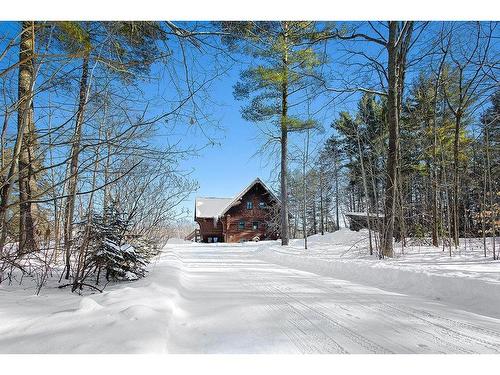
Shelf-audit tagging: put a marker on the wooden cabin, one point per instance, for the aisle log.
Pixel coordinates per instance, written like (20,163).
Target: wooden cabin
(243,218)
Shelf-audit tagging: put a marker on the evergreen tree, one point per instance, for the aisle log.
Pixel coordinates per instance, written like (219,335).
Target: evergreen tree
(105,244)
(284,62)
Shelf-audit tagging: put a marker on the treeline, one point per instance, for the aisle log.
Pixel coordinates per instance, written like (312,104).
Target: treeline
(85,183)
(440,162)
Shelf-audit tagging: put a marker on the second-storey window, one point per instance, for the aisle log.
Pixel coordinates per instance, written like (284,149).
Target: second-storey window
(262,205)
(249,205)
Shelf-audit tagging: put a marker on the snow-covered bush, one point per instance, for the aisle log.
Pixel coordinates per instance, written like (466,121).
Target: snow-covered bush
(107,247)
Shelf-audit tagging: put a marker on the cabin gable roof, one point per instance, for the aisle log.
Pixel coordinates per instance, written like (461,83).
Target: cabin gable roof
(242,194)
(212,207)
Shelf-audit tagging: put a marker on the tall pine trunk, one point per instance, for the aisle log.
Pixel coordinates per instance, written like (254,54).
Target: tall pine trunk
(490,189)
(434,173)
(456,177)
(365,188)
(285,236)
(397,48)
(337,216)
(321,208)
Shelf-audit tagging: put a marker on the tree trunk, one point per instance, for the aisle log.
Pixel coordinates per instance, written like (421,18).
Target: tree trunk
(73,167)
(337,222)
(434,174)
(304,190)
(24,113)
(25,121)
(322,216)
(284,147)
(365,187)
(483,211)
(314,214)
(393,122)
(375,204)
(490,189)
(456,169)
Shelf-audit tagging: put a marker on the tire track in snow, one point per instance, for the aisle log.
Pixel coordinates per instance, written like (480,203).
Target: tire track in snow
(459,324)
(447,331)
(350,334)
(324,319)
(437,340)
(314,325)
(312,338)
(433,323)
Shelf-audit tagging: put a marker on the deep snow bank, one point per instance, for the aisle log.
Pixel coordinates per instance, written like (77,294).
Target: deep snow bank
(128,317)
(469,281)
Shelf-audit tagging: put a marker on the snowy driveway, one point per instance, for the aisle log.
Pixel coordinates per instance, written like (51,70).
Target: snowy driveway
(224,299)
(235,303)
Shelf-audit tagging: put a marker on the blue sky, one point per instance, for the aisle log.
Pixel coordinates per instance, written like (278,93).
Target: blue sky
(221,170)
(226,168)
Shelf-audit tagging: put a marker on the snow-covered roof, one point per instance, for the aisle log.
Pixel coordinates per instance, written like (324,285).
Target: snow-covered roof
(210,207)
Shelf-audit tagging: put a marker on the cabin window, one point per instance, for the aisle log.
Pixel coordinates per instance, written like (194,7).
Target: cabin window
(255,225)
(241,224)
(262,205)
(249,205)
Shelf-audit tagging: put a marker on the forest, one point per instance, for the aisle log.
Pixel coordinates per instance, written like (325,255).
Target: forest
(398,121)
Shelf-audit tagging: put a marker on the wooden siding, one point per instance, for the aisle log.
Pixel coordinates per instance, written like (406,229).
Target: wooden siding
(210,228)
(231,229)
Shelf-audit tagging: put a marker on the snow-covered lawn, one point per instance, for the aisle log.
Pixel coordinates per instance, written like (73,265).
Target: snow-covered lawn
(260,298)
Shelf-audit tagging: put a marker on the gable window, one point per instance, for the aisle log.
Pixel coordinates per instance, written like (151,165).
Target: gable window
(262,205)
(255,225)
(249,205)
(241,224)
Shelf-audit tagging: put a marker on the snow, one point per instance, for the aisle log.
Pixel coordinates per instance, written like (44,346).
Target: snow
(178,241)
(208,207)
(467,279)
(263,298)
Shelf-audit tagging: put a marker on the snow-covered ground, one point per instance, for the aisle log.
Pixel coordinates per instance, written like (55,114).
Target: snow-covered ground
(467,279)
(260,298)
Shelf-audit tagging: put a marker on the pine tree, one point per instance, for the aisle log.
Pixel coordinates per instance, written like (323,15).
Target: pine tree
(284,60)
(111,251)
(103,244)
